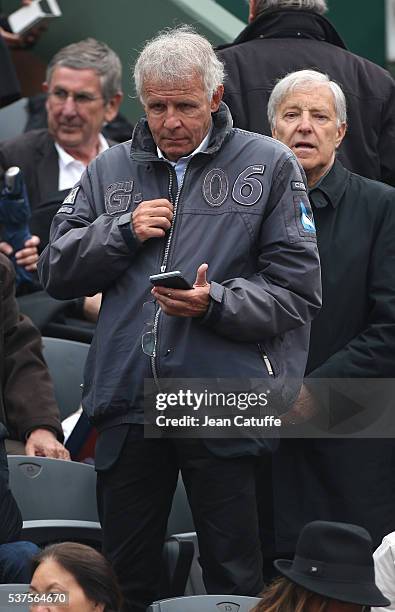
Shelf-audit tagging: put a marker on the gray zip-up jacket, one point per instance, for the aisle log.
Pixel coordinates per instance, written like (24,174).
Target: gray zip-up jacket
(242,209)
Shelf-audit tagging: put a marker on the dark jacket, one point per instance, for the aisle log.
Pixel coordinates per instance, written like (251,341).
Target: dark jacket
(265,282)
(27,398)
(352,337)
(282,41)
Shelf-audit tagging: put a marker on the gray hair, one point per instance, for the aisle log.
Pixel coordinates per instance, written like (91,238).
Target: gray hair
(91,54)
(318,6)
(305,79)
(176,55)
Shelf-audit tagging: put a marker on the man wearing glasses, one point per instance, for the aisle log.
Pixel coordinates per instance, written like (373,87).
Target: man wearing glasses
(229,210)
(84,90)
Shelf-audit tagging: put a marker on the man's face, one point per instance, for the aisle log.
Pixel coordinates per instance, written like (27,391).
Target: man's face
(179,115)
(306,122)
(76,108)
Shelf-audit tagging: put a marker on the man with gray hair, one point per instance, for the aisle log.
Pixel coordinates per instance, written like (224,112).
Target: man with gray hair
(186,183)
(353,337)
(84,91)
(288,35)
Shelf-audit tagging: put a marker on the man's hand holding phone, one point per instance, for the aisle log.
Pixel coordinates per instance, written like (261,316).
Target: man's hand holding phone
(152,219)
(185,302)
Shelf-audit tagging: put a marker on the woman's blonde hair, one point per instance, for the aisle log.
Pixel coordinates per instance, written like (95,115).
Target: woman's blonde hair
(285,596)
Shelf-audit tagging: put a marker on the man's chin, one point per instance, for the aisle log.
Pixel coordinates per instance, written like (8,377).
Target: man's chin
(68,139)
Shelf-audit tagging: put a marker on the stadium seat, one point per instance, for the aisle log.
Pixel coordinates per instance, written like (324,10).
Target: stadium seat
(66,361)
(57,499)
(205,603)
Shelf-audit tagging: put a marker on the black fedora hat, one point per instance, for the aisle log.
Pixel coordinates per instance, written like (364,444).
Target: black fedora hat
(335,560)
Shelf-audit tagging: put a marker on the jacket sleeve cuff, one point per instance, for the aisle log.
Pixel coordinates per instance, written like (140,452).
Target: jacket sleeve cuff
(125,227)
(55,429)
(213,313)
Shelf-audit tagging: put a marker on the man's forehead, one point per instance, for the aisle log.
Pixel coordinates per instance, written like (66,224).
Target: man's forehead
(309,98)
(186,86)
(75,78)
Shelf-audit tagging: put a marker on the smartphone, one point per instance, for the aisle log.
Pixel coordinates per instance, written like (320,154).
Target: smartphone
(172,280)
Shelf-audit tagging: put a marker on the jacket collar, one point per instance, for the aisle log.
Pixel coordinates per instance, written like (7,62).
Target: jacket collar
(332,187)
(289,23)
(143,147)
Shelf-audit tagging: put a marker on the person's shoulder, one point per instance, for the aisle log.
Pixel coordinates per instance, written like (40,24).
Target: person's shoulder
(27,140)
(377,198)
(367,73)
(6,268)
(372,186)
(262,140)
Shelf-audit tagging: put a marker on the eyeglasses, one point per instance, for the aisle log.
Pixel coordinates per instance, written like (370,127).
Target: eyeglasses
(80,99)
(148,339)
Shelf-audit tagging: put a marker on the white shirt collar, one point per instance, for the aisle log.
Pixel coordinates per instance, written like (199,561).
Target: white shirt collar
(66,158)
(71,169)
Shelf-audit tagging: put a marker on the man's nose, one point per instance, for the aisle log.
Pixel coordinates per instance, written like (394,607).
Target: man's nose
(305,123)
(69,106)
(172,120)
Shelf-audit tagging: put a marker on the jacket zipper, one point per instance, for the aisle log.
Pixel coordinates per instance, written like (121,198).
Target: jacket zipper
(268,365)
(164,266)
(266,360)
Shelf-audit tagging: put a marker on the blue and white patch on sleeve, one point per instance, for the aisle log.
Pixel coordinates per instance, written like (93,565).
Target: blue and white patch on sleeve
(306,220)
(299,220)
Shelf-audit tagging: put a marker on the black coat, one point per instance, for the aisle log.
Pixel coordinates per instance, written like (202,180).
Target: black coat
(282,41)
(354,337)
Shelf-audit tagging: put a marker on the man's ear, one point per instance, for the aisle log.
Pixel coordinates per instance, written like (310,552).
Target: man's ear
(252,12)
(216,98)
(341,132)
(112,107)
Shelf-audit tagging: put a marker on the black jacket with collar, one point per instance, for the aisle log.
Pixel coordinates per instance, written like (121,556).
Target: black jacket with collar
(282,41)
(353,336)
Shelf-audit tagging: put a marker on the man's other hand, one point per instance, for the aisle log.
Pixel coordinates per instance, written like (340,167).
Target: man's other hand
(303,409)
(152,219)
(91,307)
(26,257)
(185,302)
(43,443)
